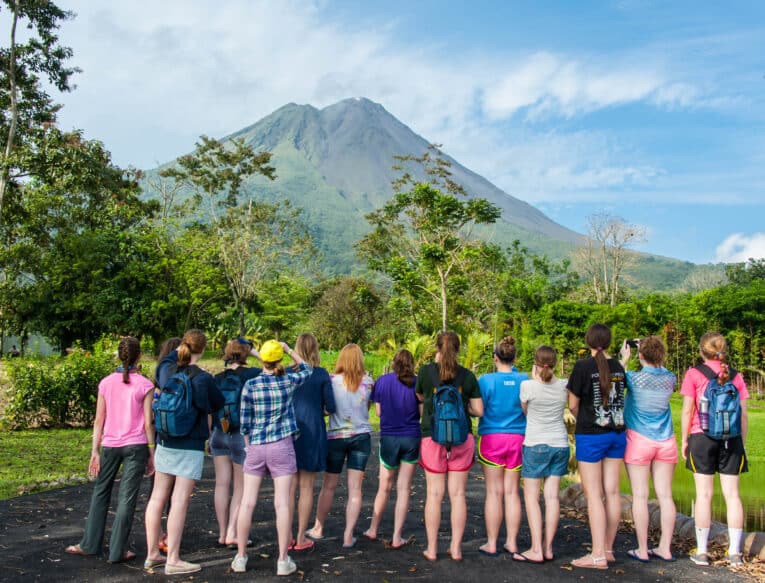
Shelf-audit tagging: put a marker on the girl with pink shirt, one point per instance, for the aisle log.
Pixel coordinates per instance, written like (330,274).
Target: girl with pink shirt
(124,430)
(706,456)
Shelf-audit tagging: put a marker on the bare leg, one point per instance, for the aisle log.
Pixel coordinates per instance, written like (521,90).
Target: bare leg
(246,508)
(306,481)
(611,469)
(326,497)
(176,520)
(457,481)
(552,513)
(492,508)
(534,517)
(403,487)
(702,509)
(435,487)
(282,504)
(353,505)
(592,483)
(733,506)
(639,481)
(153,517)
(662,483)
(512,499)
(222,465)
(236,500)
(384,488)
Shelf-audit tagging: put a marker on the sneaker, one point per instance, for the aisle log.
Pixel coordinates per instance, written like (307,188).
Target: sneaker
(239,564)
(735,560)
(287,567)
(700,559)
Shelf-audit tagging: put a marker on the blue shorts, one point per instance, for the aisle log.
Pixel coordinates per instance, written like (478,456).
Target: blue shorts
(594,447)
(356,449)
(395,449)
(228,444)
(543,461)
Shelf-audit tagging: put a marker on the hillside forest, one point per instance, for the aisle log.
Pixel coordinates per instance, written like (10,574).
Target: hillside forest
(90,250)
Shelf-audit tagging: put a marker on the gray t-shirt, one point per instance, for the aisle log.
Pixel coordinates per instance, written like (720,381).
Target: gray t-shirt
(544,419)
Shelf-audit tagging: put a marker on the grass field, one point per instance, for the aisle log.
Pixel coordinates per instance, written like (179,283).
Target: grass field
(34,459)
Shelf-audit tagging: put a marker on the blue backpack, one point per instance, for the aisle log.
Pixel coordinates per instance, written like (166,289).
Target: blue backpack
(724,405)
(174,411)
(448,424)
(230,385)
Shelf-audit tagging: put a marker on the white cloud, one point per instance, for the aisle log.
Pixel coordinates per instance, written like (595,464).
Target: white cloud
(739,248)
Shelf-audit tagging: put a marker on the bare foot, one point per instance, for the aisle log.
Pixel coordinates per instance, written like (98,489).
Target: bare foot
(370,534)
(533,557)
(610,557)
(455,554)
(428,556)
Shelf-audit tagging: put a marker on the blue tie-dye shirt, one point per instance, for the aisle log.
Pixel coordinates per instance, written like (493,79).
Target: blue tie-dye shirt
(646,407)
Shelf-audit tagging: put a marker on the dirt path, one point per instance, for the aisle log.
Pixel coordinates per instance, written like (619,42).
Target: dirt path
(36,528)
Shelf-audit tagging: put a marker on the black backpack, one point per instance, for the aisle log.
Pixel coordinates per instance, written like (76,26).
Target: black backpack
(231,385)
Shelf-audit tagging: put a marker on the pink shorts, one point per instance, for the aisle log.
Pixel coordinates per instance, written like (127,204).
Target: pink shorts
(641,451)
(276,458)
(501,450)
(433,456)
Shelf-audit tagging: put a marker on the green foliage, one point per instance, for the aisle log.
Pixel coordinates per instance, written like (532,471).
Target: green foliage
(55,391)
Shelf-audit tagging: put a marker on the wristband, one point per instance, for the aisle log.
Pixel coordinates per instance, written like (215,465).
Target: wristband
(151,445)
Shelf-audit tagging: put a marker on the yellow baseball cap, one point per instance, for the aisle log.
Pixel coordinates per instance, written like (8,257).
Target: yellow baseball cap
(271,351)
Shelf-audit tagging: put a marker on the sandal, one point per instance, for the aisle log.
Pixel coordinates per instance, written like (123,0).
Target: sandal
(126,556)
(76,550)
(590,562)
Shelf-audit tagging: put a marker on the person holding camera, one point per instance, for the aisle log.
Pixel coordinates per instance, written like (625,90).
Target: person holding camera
(651,448)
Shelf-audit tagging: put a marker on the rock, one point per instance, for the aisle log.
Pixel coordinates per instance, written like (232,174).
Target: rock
(570,494)
(754,545)
(626,507)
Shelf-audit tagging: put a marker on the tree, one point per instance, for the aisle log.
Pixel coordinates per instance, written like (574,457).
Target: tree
(26,108)
(745,273)
(422,237)
(605,253)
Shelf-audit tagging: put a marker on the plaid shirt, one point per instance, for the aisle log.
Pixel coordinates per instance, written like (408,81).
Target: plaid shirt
(266,413)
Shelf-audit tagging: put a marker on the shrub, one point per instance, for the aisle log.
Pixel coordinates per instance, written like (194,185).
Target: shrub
(55,391)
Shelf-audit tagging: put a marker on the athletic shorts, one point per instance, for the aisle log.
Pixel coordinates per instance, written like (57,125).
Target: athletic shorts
(641,451)
(501,450)
(434,460)
(709,456)
(594,447)
(395,449)
(276,458)
(182,463)
(355,449)
(542,461)
(228,444)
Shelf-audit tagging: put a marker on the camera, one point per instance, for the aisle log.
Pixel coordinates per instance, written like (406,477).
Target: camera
(633,343)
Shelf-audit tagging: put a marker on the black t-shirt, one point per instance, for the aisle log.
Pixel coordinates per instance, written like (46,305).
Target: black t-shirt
(585,383)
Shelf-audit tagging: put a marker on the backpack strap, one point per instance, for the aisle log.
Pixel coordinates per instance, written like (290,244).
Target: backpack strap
(710,374)
(457,381)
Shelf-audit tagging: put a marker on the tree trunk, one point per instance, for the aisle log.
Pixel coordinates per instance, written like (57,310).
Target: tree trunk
(242,326)
(443,300)
(14,113)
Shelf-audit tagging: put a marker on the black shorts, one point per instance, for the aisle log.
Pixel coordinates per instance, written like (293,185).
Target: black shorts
(709,456)
(395,449)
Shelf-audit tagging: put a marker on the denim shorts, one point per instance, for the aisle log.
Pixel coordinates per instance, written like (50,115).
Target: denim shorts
(594,447)
(355,449)
(228,444)
(183,463)
(543,461)
(395,449)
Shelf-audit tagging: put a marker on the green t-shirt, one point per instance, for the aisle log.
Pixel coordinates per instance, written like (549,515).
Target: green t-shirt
(425,386)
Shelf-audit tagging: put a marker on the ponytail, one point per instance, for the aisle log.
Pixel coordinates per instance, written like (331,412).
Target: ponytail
(545,359)
(193,342)
(128,352)
(598,337)
(713,346)
(448,344)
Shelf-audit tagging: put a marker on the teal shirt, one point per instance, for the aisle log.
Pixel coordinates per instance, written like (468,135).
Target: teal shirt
(502,411)
(646,406)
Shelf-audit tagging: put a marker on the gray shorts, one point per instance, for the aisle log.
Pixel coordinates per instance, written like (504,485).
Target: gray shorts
(228,444)
(276,458)
(184,463)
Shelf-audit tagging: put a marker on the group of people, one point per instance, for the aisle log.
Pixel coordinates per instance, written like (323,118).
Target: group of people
(279,430)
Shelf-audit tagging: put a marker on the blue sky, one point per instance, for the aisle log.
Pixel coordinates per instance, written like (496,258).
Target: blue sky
(651,110)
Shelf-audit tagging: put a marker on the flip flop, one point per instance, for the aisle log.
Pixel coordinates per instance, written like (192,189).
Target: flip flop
(431,559)
(455,559)
(521,558)
(633,554)
(590,562)
(483,551)
(550,559)
(76,550)
(309,533)
(527,559)
(368,537)
(388,545)
(353,543)
(126,556)
(304,547)
(655,555)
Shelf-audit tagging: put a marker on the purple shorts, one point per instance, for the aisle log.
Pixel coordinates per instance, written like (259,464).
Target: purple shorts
(276,458)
